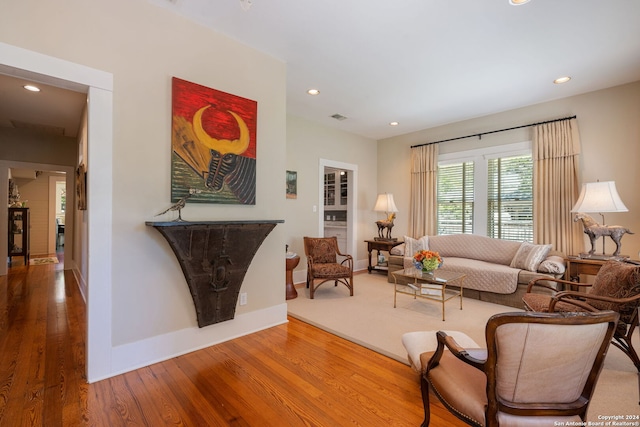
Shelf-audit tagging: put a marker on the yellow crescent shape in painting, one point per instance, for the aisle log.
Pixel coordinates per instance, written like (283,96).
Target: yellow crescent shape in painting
(223,146)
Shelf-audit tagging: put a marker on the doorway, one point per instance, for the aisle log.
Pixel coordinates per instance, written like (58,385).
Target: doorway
(34,184)
(338,202)
(95,227)
(59,200)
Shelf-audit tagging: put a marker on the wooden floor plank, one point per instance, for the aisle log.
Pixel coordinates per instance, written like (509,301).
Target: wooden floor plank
(289,375)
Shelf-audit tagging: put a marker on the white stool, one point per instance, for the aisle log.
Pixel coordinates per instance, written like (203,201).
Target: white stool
(420,342)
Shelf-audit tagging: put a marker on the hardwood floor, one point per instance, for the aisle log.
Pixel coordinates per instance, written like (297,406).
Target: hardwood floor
(289,375)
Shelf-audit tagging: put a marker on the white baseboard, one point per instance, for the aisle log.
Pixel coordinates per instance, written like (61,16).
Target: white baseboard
(128,357)
(82,284)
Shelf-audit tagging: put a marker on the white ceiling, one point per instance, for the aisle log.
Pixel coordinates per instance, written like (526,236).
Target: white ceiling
(53,110)
(422,63)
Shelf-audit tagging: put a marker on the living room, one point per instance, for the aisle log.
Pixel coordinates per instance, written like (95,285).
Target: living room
(145,303)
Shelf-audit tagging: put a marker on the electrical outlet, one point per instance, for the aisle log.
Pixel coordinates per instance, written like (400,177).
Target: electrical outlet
(243,298)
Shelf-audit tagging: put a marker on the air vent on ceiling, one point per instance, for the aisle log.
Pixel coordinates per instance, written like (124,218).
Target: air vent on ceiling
(51,130)
(339,117)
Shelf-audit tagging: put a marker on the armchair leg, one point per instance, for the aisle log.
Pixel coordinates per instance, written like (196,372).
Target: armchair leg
(424,388)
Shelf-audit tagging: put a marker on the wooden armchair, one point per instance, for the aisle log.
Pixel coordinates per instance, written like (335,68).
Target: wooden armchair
(322,263)
(616,287)
(528,377)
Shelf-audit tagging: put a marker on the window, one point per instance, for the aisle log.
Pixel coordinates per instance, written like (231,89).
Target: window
(510,198)
(487,192)
(455,198)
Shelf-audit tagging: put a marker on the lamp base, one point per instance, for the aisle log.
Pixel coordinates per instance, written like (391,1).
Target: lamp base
(385,239)
(604,257)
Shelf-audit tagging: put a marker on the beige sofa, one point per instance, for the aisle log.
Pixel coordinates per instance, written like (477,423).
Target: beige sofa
(497,271)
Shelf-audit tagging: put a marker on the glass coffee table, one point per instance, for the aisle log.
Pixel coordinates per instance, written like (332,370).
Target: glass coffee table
(431,286)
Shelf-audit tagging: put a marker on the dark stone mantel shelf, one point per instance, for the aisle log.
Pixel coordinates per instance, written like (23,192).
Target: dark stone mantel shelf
(214,257)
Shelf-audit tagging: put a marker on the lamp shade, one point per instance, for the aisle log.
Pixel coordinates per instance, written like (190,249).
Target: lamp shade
(599,197)
(385,203)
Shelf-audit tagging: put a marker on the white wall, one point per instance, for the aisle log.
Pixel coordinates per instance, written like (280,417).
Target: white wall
(307,143)
(609,124)
(152,312)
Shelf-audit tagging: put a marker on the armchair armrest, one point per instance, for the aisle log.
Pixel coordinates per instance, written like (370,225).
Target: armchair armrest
(535,282)
(580,299)
(347,259)
(570,297)
(309,260)
(459,352)
(341,254)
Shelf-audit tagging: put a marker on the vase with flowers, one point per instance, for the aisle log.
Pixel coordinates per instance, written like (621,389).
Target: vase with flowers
(427,261)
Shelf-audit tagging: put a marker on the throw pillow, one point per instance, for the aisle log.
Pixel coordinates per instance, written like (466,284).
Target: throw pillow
(615,279)
(411,245)
(554,264)
(530,256)
(397,250)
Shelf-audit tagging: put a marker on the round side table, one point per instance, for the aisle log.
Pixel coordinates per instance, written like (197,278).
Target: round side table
(291,263)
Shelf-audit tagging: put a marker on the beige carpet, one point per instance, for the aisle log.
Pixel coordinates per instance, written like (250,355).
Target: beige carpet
(368,318)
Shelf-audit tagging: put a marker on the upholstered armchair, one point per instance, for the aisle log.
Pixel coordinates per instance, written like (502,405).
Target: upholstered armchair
(528,377)
(616,287)
(323,263)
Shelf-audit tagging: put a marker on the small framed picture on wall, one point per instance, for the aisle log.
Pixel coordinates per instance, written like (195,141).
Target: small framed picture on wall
(292,185)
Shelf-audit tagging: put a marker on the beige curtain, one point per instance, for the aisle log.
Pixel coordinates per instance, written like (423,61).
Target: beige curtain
(423,203)
(556,147)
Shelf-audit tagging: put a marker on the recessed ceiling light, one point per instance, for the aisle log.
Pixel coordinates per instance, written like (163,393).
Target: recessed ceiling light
(561,80)
(394,124)
(518,2)
(313,92)
(31,88)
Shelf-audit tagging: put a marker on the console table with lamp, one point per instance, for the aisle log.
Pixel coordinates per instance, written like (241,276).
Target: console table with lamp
(384,241)
(596,197)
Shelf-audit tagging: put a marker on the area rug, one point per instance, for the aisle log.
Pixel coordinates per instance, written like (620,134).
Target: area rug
(369,319)
(42,261)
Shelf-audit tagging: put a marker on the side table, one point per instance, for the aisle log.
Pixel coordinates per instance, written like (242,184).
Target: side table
(577,266)
(291,263)
(380,245)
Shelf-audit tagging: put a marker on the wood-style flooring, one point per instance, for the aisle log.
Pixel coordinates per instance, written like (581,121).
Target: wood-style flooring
(289,375)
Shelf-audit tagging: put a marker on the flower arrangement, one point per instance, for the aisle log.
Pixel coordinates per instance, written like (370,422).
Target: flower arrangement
(427,260)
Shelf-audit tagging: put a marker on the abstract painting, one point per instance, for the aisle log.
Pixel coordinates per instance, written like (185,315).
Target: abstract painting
(213,142)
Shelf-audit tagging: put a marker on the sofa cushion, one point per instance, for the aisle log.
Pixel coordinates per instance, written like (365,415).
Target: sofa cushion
(472,246)
(530,256)
(484,276)
(554,264)
(411,245)
(398,250)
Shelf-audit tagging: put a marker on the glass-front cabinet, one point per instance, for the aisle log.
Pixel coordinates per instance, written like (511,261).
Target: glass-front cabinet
(329,189)
(335,190)
(19,234)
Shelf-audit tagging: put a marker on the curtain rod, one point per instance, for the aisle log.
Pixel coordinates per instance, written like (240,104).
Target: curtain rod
(479,135)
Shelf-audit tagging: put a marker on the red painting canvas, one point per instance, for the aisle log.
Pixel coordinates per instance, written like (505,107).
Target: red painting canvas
(213,143)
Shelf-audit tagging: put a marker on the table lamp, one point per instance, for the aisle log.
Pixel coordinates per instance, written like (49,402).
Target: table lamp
(599,197)
(385,203)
